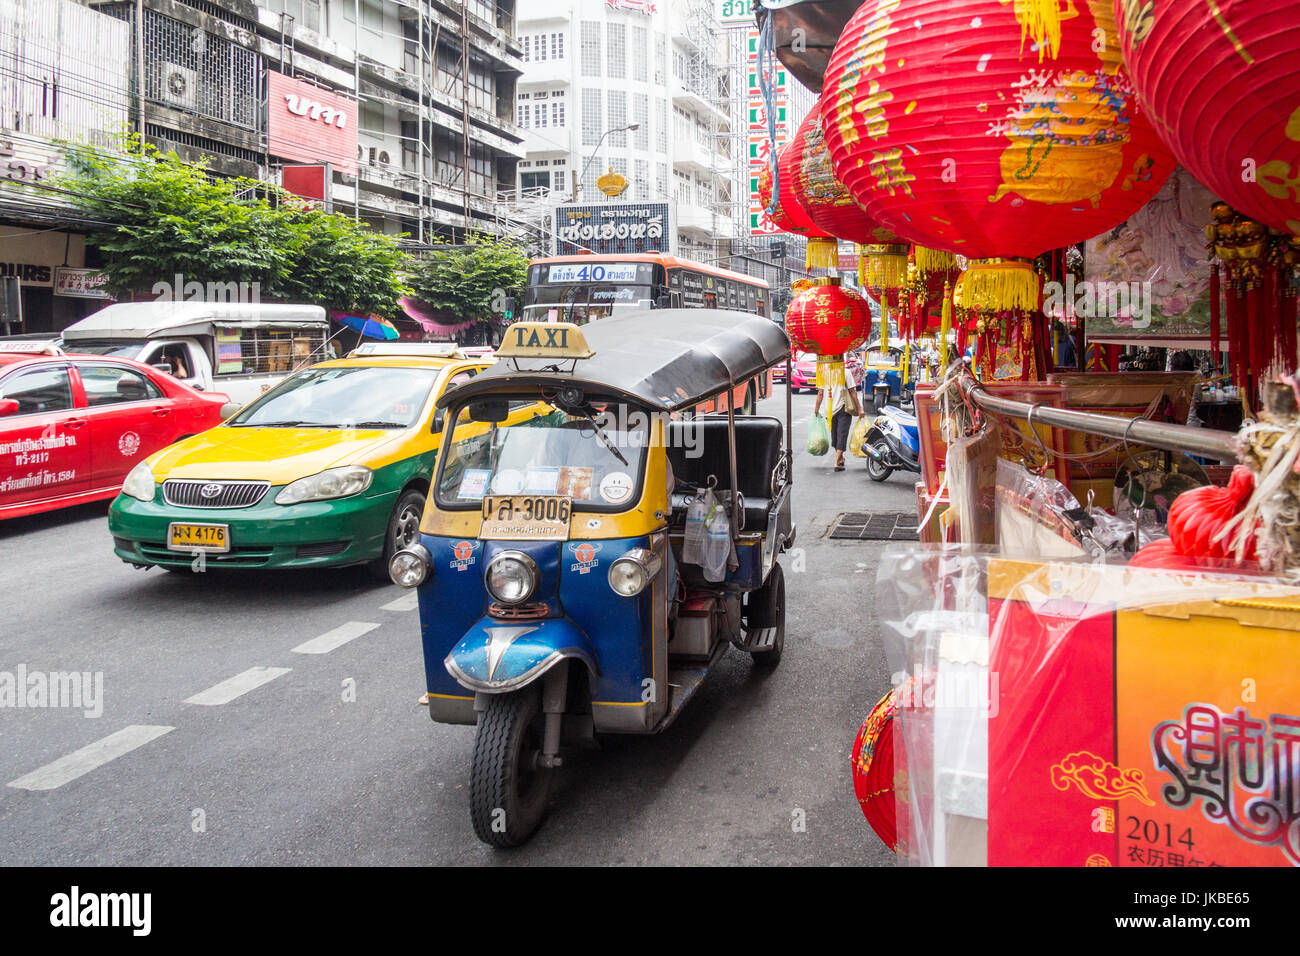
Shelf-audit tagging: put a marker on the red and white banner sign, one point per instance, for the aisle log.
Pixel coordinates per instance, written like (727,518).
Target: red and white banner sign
(312,125)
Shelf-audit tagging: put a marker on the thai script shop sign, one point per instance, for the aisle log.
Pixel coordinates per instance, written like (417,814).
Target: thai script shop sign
(612,229)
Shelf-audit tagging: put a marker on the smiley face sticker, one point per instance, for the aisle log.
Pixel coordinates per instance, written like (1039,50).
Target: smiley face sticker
(616,487)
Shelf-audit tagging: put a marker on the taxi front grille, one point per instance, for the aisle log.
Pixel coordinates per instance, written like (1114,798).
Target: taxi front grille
(189,493)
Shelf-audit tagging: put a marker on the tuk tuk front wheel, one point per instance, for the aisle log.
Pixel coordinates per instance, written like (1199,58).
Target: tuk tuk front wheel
(766,608)
(508,786)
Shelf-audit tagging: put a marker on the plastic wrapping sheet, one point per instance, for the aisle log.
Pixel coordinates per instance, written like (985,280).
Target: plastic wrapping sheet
(1075,713)
(1030,514)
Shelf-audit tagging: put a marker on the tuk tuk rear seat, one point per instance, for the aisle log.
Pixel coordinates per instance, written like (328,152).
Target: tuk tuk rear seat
(758,450)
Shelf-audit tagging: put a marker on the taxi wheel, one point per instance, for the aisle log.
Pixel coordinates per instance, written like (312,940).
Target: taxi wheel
(508,787)
(766,608)
(403,530)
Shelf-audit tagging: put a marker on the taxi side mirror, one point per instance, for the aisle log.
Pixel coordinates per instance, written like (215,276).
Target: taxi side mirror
(8,406)
(229,409)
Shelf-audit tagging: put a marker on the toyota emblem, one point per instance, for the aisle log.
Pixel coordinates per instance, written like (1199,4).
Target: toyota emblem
(210,490)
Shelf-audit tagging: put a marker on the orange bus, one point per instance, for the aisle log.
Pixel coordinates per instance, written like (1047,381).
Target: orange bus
(583,287)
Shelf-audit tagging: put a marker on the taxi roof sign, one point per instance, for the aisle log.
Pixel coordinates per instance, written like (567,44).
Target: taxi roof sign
(405,349)
(549,340)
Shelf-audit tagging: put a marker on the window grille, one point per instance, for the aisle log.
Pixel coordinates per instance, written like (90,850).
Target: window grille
(590,48)
(618,117)
(591,123)
(617,34)
(640,53)
(641,116)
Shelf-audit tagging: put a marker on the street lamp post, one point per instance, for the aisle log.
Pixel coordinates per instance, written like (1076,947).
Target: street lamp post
(592,158)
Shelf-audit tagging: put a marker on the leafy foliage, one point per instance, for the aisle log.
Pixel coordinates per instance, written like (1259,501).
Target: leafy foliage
(172,217)
(470,283)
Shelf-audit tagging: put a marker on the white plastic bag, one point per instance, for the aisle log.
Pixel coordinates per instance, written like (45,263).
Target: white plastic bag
(696,514)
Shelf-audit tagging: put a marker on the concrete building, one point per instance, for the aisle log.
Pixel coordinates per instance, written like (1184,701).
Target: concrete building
(410,102)
(593,68)
(64,77)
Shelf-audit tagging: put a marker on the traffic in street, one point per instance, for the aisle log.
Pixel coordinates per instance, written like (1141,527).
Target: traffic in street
(272,717)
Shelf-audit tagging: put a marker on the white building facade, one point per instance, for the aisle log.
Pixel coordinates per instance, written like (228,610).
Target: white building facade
(592,68)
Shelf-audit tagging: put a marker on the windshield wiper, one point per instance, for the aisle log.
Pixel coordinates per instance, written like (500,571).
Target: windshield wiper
(283,425)
(600,433)
(378,424)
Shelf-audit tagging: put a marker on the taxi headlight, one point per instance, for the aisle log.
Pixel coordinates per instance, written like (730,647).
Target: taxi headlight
(139,483)
(512,577)
(409,568)
(632,573)
(330,483)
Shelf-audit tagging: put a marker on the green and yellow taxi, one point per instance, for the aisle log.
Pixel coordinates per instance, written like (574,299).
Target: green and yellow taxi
(330,467)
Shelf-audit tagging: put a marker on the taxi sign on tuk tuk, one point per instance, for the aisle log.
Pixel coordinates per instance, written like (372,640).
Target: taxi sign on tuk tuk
(561,340)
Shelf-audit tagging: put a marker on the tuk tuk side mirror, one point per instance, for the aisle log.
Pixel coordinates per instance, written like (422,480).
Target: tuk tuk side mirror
(8,406)
(439,417)
(489,410)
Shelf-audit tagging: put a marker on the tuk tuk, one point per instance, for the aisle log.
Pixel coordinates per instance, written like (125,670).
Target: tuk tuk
(555,603)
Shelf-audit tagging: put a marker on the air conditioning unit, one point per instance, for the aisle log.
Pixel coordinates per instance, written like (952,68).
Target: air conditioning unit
(384,159)
(178,86)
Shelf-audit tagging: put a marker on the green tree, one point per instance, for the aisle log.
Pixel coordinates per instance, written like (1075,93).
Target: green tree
(471,283)
(172,217)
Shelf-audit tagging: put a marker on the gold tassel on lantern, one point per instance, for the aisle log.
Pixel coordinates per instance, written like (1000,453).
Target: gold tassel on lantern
(882,266)
(830,371)
(932,260)
(884,325)
(945,326)
(823,253)
(998,285)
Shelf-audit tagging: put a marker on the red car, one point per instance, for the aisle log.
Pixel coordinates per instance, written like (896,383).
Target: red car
(803,373)
(72,426)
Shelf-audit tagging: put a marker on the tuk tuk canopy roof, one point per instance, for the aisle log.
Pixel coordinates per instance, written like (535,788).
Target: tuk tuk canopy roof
(665,359)
(148,320)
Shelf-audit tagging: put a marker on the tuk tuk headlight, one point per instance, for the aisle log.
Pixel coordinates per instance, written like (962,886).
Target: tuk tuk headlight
(330,483)
(632,573)
(512,577)
(139,483)
(409,568)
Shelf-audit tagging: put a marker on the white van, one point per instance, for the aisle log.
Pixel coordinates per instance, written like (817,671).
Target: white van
(237,348)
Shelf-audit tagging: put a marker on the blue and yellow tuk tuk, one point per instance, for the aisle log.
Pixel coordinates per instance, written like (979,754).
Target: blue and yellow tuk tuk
(555,604)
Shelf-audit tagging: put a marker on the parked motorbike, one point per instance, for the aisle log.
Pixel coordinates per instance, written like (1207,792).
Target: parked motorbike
(893,443)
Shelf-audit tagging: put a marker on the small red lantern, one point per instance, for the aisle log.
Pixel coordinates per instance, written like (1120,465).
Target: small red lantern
(872,769)
(828,320)
(1223,81)
(789,215)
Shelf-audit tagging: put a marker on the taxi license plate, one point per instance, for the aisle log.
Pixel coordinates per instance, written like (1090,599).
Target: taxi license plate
(213,538)
(518,517)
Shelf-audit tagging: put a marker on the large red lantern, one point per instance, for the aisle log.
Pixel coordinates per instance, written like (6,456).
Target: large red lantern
(828,320)
(1222,80)
(989,129)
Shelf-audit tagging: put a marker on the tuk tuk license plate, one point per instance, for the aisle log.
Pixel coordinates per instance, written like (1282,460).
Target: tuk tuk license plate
(214,538)
(526,517)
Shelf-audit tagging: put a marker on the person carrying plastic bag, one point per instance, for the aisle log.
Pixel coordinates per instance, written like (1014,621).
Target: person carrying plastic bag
(845,405)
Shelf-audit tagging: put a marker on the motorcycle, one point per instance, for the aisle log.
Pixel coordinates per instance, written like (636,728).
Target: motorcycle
(893,443)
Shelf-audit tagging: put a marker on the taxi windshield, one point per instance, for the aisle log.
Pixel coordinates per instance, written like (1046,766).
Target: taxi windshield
(346,397)
(537,449)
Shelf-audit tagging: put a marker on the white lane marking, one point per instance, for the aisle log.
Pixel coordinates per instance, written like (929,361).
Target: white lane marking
(407,602)
(82,761)
(335,638)
(237,686)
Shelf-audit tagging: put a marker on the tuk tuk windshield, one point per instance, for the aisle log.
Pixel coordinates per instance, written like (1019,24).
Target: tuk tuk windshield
(537,449)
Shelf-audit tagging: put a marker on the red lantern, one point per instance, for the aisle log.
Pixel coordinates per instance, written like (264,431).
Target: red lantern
(872,766)
(789,215)
(828,320)
(989,129)
(824,199)
(1222,80)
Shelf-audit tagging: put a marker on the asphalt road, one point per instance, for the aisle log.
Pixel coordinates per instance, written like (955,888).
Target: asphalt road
(319,752)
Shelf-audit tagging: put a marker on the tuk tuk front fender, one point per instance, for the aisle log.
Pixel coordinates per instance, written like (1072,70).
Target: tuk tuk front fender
(495,657)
